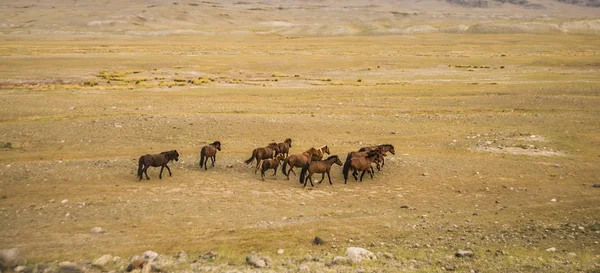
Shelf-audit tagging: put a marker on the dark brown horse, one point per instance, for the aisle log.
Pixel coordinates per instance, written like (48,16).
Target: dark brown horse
(267,164)
(297,160)
(384,148)
(209,151)
(320,153)
(360,163)
(284,147)
(322,167)
(263,153)
(156,160)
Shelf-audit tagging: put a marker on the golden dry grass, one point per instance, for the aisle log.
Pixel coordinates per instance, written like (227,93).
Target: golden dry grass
(438,98)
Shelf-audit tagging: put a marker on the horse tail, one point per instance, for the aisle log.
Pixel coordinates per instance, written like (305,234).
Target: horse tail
(251,157)
(346,168)
(303,172)
(140,166)
(285,162)
(202,152)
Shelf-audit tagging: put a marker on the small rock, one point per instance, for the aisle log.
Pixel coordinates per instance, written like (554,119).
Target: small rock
(149,255)
(229,166)
(339,260)
(357,254)
(64,201)
(571,254)
(318,241)
(181,256)
(388,255)
(209,256)
(424,174)
(20,269)
(280,251)
(68,267)
(463,253)
(552,249)
(257,261)
(404,207)
(103,261)
(9,258)
(553,200)
(97,230)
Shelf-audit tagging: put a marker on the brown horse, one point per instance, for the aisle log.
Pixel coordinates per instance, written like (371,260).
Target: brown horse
(156,160)
(209,151)
(263,153)
(284,147)
(363,153)
(267,164)
(322,167)
(320,153)
(297,160)
(360,163)
(384,147)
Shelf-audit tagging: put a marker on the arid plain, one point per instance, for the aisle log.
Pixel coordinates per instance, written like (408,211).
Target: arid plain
(497,137)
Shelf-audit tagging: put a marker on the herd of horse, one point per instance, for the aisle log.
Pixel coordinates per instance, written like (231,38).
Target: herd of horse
(277,154)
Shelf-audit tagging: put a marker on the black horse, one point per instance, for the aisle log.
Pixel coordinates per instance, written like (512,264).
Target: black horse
(156,160)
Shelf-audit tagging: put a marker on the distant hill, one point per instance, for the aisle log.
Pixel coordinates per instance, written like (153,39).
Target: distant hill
(91,18)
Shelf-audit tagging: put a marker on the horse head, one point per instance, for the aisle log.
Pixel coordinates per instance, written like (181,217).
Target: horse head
(173,155)
(325,149)
(274,146)
(288,141)
(217,145)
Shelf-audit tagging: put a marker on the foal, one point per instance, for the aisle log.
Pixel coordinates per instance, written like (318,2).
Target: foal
(209,151)
(267,164)
(322,167)
(156,160)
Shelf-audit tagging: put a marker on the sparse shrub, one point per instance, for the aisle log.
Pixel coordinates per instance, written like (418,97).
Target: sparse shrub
(179,80)
(359,80)
(90,83)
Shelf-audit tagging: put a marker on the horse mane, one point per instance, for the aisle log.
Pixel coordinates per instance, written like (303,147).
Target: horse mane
(322,147)
(330,157)
(373,153)
(386,145)
(215,143)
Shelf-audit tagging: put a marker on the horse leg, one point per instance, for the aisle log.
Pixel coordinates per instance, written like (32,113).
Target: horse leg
(205,162)
(292,171)
(322,178)
(355,174)
(213,158)
(262,175)
(146,172)
(275,171)
(169,169)
(371,173)
(328,176)
(363,174)
(161,170)
(382,161)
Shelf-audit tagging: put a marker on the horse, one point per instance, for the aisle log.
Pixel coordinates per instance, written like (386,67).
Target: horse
(384,147)
(209,151)
(320,153)
(267,164)
(297,160)
(156,160)
(263,153)
(284,147)
(360,163)
(323,167)
(363,152)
